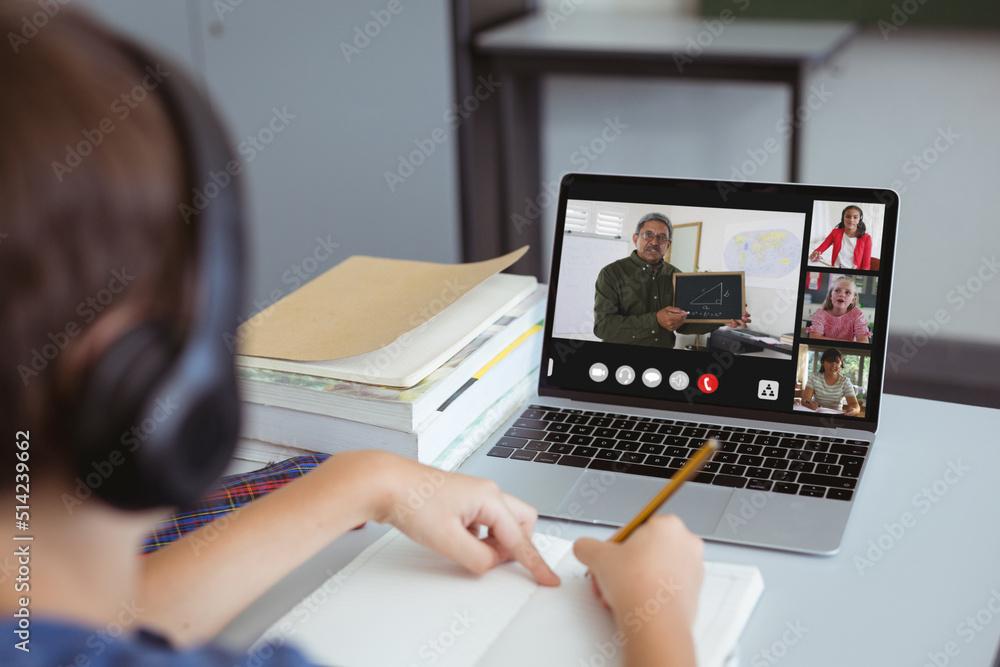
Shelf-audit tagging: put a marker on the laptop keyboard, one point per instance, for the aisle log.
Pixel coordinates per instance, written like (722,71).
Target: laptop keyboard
(750,458)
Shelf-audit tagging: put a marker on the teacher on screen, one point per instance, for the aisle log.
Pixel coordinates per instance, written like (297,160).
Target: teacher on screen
(632,295)
(852,246)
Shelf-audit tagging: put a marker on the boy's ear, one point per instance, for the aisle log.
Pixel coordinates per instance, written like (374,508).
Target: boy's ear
(92,342)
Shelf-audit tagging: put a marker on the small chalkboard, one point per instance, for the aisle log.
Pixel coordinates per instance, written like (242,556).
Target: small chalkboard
(713,297)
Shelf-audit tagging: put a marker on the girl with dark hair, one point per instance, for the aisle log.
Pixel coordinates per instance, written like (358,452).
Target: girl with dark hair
(829,388)
(852,245)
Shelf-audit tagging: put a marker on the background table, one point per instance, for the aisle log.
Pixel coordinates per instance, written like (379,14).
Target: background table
(526,49)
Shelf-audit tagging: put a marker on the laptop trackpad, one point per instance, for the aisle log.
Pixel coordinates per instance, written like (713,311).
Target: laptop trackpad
(615,499)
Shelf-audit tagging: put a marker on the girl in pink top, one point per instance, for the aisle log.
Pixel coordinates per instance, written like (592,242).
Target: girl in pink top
(839,318)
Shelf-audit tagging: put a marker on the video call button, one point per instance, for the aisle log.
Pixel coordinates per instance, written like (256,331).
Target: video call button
(598,372)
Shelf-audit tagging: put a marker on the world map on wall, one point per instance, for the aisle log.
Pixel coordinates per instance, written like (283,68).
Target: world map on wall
(771,253)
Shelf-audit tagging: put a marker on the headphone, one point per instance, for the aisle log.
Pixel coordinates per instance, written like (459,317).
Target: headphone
(158,417)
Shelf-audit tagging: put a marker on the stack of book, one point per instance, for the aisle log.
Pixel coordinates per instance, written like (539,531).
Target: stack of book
(296,407)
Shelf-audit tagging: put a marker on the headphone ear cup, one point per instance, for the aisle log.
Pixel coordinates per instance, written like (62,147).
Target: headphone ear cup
(196,421)
(110,428)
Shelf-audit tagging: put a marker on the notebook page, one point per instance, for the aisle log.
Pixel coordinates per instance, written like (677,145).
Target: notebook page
(727,601)
(401,604)
(568,626)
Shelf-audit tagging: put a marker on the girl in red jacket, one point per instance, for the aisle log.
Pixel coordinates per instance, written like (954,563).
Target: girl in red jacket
(852,247)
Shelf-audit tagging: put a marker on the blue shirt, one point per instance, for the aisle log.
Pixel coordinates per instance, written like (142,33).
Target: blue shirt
(59,644)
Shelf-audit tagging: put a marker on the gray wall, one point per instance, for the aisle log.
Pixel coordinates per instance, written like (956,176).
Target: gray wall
(888,99)
(317,186)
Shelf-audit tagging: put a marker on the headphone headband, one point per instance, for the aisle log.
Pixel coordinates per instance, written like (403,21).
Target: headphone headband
(174,408)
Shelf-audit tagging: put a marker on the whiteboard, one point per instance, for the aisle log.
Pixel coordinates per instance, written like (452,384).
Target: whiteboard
(686,247)
(583,257)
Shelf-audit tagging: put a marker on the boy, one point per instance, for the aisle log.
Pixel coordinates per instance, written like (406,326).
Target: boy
(93,248)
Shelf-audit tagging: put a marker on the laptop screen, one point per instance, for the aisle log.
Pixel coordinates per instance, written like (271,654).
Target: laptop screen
(653,279)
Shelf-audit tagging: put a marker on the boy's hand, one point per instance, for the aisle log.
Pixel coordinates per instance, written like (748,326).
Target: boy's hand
(661,560)
(445,511)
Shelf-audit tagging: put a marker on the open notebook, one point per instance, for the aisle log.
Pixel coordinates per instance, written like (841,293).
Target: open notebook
(398,603)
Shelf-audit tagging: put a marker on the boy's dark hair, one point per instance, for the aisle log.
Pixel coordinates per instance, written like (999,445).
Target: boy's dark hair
(90,179)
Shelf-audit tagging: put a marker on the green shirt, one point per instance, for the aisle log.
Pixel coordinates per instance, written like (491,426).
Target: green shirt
(627,296)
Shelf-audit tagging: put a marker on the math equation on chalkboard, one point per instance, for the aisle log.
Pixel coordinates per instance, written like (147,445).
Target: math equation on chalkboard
(710,296)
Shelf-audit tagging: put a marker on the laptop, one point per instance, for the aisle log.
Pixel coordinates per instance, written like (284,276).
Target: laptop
(629,387)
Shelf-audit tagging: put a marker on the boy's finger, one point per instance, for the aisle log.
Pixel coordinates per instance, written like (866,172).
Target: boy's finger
(525,514)
(507,532)
(586,550)
(528,556)
(594,586)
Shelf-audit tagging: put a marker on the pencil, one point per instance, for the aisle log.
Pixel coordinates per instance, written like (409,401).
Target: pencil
(687,471)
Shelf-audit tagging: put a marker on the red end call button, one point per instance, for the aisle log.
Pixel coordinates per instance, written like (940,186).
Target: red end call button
(708,383)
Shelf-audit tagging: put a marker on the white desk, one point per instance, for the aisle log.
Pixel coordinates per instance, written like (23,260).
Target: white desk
(911,599)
